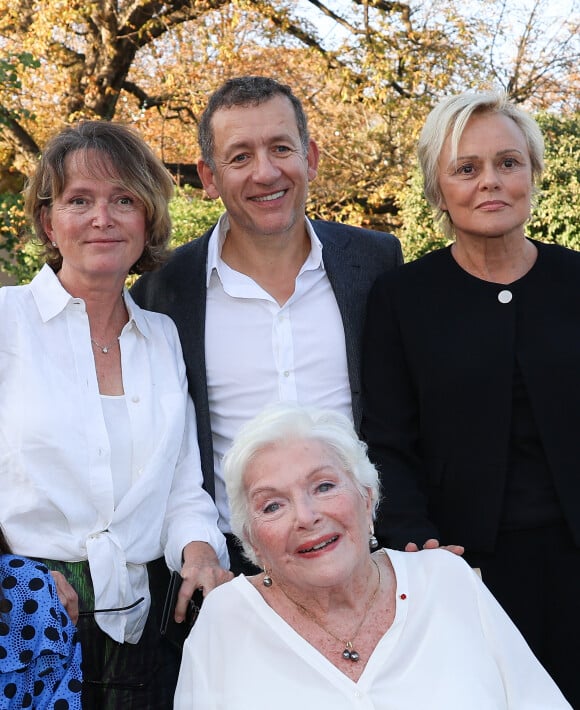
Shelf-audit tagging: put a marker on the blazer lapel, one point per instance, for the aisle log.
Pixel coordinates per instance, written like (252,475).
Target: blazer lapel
(343,267)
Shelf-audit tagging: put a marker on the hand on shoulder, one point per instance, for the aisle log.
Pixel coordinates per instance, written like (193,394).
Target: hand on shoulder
(433,544)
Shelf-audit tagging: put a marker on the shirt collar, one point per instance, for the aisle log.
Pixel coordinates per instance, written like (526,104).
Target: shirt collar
(218,236)
(136,315)
(52,298)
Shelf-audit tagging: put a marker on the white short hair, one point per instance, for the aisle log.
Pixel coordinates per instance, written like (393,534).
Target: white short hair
(289,421)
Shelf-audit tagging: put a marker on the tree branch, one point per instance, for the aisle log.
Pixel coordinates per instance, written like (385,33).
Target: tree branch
(17,133)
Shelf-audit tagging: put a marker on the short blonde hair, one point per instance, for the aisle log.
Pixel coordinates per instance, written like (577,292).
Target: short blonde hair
(449,118)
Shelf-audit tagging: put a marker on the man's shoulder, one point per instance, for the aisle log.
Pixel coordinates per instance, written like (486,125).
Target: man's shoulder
(187,253)
(184,268)
(337,230)
(370,245)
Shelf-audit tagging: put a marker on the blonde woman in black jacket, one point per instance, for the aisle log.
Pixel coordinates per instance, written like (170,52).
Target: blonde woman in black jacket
(471,385)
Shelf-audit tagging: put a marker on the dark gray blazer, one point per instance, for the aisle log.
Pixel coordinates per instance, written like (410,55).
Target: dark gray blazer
(353,258)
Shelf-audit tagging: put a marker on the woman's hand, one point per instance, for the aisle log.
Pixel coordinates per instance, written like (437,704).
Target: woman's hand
(67,595)
(433,544)
(201,570)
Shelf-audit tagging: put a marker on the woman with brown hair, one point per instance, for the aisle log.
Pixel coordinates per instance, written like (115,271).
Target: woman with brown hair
(99,460)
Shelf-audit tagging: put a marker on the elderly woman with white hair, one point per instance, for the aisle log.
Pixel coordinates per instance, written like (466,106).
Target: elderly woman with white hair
(330,623)
(471,391)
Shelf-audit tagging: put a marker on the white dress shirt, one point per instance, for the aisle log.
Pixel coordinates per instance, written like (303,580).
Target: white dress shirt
(450,647)
(258,352)
(57,497)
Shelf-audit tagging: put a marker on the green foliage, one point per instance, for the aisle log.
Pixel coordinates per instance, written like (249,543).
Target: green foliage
(192,215)
(18,257)
(418,234)
(555,216)
(10,82)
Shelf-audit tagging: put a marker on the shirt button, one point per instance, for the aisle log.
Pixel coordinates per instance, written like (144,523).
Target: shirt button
(504,296)
(286,373)
(135,398)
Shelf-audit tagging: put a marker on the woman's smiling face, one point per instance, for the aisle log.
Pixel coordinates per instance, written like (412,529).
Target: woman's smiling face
(309,522)
(99,227)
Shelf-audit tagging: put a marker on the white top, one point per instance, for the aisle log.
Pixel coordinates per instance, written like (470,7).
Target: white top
(55,458)
(121,443)
(258,352)
(451,647)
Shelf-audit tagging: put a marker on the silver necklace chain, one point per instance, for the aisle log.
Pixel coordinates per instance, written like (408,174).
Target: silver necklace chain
(105,348)
(349,653)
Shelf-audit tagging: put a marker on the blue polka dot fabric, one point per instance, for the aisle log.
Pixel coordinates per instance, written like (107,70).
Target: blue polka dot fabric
(40,655)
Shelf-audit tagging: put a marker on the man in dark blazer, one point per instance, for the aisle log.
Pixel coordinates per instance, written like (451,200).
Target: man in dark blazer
(258,158)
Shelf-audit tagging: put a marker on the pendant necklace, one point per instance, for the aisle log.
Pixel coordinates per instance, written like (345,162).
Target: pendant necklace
(104,348)
(349,653)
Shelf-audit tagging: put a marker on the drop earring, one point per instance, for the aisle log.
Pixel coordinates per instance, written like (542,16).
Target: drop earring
(373,542)
(54,244)
(267,581)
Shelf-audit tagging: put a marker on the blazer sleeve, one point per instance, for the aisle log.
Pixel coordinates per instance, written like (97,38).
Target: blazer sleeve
(390,424)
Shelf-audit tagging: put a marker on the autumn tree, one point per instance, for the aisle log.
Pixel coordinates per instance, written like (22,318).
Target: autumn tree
(86,51)
(365,93)
(368,71)
(391,58)
(536,54)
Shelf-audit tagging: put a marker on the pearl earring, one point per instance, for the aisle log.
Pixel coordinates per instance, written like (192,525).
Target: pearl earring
(373,542)
(54,244)
(267,581)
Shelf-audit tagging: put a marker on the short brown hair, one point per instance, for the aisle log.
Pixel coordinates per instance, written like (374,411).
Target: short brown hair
(128,160)
(247,91)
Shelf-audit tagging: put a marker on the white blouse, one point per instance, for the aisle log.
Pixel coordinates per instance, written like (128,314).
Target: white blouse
(57,491)
(451,647)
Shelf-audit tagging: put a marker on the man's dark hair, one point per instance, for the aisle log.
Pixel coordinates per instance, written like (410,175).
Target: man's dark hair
(246,91)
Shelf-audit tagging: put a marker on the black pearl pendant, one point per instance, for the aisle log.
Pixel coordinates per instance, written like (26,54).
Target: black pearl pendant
(350,654)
